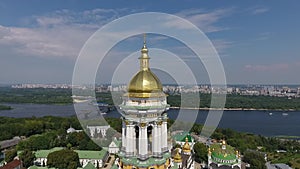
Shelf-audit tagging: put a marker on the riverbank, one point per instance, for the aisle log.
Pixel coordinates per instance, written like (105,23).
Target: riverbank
(231,109)
(4,107)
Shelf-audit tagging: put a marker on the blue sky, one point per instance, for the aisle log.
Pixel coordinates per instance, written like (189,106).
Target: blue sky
(258,41)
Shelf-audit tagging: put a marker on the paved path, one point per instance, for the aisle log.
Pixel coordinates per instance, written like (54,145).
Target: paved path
(110,163)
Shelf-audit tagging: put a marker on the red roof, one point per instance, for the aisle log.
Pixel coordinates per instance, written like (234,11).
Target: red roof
(11,165)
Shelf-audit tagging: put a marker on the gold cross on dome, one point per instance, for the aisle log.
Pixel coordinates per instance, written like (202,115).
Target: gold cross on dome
(144,38)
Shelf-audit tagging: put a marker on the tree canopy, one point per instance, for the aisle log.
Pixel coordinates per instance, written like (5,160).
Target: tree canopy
(63,159)
(10,155)
(256,160)
(27,157)
(200,152)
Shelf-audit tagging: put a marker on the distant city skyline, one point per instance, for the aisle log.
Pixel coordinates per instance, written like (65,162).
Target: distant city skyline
(292,91)
(257,41)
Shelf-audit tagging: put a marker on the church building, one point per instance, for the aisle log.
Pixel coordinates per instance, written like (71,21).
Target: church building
(144,108)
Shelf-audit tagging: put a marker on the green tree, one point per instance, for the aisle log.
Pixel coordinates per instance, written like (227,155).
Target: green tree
(27,157)
(255,159)
(177,146)
(63,159)
(10,155)
(38,142)
(200,152)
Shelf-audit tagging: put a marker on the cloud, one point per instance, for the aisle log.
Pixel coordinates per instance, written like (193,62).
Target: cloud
(270,67)
(63,41)
(221,45)
(61,33)
(206,21)
(258,10)
(264,36)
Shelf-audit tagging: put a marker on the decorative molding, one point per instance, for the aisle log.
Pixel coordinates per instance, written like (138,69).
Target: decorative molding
(143,124)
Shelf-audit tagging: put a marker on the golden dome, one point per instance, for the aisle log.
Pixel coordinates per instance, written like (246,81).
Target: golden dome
(177,157)
(145,83)
(186,147)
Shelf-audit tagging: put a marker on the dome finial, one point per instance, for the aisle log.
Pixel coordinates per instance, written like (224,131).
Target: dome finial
(144,49)
(144,59)
(144,39)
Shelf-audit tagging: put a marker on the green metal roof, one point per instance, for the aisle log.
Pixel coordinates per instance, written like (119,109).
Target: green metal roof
(175,166)
(91,154)
(117,142)
(83,154)
(114,167)
(44,153)
(219,153)
(89,166)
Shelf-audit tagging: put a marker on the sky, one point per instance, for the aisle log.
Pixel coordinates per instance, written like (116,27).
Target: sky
(257,41)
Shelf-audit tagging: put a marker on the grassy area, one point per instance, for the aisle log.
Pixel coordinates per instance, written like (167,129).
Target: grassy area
(289,137)
(292,159)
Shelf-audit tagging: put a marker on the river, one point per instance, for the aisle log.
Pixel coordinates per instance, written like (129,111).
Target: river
(257,122)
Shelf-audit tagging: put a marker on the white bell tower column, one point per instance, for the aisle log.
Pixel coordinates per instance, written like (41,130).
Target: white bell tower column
(159,134)
(143,141)
(156,149)
(130,139)
(123,136)
(164,136)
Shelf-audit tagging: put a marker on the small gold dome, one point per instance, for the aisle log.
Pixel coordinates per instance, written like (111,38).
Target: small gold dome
(145,83)
(186,147)
(177,157)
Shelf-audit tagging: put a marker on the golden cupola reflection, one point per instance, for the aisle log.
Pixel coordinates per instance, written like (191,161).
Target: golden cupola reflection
(145,83)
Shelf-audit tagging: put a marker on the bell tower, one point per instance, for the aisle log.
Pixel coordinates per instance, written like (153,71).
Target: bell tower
(144,113)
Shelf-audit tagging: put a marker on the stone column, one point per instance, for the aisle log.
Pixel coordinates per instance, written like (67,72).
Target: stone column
(129,139)
(156,149)
(159,135)
(143,142)
(164,136)
(123,136)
